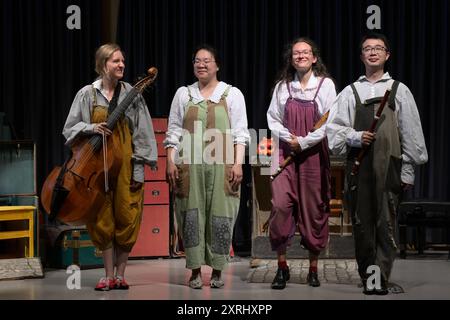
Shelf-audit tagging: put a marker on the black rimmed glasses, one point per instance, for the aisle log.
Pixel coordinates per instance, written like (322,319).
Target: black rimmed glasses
(377,49)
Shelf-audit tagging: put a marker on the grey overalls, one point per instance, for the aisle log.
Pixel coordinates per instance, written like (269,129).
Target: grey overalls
(372,194)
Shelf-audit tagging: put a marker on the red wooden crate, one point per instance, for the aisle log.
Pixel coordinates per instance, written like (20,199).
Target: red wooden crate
(156,193)
(158,173)
(159,142)
(159,125)
(153,238)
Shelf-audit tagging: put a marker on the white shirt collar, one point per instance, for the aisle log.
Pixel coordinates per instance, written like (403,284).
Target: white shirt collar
(384,78)
(215,96)
(312,84)
(98,84)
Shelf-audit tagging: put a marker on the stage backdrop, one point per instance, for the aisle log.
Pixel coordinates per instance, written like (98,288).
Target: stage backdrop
(44,63)
(251,37)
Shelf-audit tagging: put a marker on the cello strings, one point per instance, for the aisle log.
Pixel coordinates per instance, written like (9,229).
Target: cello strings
(95,142)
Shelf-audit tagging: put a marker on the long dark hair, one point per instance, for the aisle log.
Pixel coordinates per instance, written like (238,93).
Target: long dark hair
(287,74)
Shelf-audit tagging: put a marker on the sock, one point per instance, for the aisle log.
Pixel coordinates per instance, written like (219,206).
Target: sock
(313,269)
(282,265)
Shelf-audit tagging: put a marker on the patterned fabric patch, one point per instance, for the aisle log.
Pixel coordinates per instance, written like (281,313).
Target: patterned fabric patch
(221,235)
(190,228)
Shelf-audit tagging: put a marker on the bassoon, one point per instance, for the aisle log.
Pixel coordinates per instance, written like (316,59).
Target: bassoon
(291,157)
(363,150)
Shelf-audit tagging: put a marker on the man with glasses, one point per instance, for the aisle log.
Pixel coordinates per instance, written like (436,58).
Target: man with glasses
(393,150)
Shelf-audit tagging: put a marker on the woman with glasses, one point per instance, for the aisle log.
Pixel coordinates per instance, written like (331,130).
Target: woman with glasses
(205,143)
(300,193)
(388,167)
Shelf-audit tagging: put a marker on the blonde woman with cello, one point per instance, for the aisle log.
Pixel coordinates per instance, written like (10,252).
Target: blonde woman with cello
(115,228)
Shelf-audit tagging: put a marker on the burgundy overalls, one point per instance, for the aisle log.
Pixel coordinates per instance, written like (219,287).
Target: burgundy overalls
(301,193)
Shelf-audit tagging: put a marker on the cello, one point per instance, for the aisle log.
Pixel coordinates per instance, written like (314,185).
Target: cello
(76,191)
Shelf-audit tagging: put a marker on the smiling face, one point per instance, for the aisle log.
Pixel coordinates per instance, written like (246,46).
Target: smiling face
(205,67)
(303,57)
(374,53)
(115,66)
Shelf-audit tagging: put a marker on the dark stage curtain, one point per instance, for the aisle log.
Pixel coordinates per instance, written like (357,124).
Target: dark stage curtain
(251,36)
(44,64)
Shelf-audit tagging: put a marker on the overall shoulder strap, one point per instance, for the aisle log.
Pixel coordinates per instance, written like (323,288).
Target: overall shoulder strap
(393,93)
(318,88)
(225,93)
(94,95)
(355,93)
(189,93)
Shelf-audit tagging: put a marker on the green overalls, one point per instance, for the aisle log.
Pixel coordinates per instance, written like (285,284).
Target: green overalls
(206,207)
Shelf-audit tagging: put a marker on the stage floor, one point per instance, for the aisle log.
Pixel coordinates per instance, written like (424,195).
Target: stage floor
(165,279)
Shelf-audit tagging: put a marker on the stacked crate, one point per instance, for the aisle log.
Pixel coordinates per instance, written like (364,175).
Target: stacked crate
(153,239)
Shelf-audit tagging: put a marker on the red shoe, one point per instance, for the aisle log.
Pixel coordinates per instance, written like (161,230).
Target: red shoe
(105,284)
(120,283)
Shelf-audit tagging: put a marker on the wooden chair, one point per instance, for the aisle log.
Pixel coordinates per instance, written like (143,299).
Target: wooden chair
(17,213)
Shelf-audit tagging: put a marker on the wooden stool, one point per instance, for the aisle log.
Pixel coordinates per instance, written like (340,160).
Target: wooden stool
(12,213)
